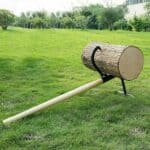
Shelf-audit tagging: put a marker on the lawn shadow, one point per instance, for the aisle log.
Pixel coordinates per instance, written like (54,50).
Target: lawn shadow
(25,81)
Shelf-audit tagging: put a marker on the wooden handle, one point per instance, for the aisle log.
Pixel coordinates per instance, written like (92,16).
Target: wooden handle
(53,101)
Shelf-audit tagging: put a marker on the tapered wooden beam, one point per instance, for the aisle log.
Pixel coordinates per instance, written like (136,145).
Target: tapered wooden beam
(53,101)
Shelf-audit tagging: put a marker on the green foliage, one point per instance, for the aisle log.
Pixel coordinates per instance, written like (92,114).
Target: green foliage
(112,14)
(54,20)
(91,17)
(67,22)
(6,18)
(92,14)
(137,23)
(122,24)
(80,22)
(38,22)
(37,65)
(141,23)
(22,21)
(38,19)
(146,23)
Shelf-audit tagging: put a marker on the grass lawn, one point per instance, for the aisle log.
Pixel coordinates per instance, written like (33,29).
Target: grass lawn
(37,65)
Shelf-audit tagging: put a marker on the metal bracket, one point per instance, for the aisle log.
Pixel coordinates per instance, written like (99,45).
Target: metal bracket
(105,77)
(124,87)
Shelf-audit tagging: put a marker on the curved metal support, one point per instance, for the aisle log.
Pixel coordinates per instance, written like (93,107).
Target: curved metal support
(104,77)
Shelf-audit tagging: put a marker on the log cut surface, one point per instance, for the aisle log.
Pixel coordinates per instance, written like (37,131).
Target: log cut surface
(131,63)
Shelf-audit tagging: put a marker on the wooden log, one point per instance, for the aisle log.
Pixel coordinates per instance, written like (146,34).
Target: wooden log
(125,62)
(53,101)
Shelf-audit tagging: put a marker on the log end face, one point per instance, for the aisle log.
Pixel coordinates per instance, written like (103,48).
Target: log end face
(131,63)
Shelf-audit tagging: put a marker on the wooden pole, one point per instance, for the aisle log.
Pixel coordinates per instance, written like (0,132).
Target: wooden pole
(53,101)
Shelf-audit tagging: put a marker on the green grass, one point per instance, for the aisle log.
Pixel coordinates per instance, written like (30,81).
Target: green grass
(36,65)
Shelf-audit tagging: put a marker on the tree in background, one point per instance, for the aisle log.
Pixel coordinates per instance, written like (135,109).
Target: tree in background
(37,22)
(137,23)
(87,17)
(112,14)
(67,22)
(54,20)
(142,23)
(92,14)
(22,21)
(25,20)
(146,23)
(39,19)
(122,24)
(6,18)
(80,22)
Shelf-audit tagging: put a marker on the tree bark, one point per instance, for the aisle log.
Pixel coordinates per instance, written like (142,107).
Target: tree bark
(121,61)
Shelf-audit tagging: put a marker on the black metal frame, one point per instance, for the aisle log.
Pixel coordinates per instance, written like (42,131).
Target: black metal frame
(105,77)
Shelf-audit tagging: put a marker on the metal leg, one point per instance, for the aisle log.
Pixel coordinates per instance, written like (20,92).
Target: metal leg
(124,87)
